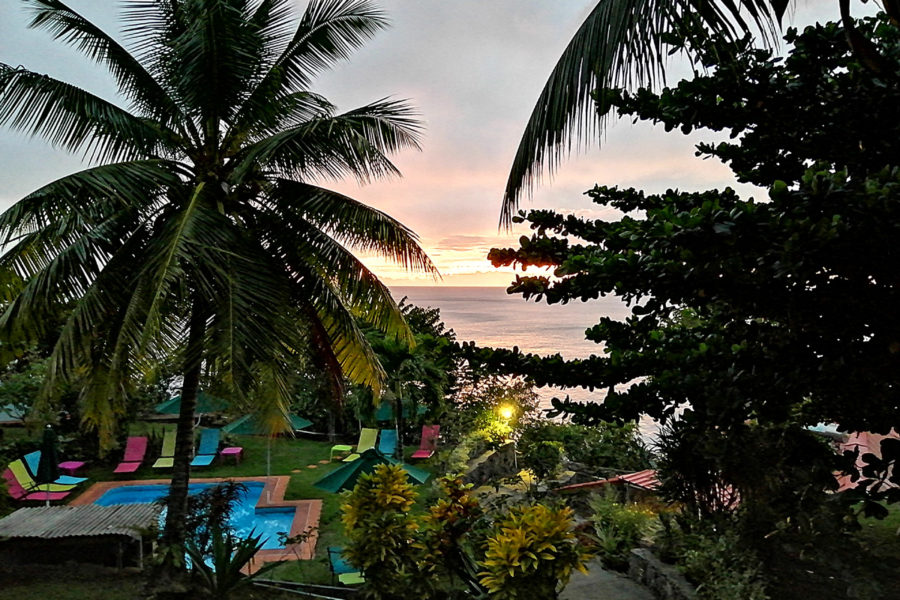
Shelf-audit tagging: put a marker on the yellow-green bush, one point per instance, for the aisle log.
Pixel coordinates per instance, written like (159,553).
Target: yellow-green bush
(531,553)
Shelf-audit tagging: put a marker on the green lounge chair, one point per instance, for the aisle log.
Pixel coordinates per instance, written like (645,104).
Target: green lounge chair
(166,458)
(208,448)
(20,472)
(367,439)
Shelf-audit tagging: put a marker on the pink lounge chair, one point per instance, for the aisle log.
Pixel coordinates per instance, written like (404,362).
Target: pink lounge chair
(135,449)
(428,444)
(19,493)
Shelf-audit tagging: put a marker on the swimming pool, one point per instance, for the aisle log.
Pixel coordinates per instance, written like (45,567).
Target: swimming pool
(267,522)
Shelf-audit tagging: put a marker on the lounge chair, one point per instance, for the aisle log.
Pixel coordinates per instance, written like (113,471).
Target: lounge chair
(346,573)
(428,444)
(33,459)
(135,449)
(208,448)
(166,458)
(19,493)
(367,438)
(20,472)
(387,442)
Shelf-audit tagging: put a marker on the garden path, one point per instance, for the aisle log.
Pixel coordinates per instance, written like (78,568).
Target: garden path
(601,583)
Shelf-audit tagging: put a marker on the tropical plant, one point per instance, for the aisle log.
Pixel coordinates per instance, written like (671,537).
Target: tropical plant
(624,42)
(450,533)
(200,231)
(380,529)
(723,570)
(544,458)
(532,553)
(619,528)
(218,570)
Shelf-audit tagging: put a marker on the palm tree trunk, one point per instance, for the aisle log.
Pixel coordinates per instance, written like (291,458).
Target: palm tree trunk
(174,533)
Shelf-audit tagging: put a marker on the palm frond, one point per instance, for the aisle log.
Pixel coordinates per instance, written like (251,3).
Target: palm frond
(313,257)
(95,193)
(354,143)
(75,120)
(345,341)
(328,32)
(620,42)
(65,24)
(351,223)
(212,59)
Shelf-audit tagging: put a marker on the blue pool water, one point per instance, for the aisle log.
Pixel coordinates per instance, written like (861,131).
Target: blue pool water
(267,522)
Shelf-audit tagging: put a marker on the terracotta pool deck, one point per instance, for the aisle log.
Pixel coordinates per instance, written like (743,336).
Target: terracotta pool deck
(306,518)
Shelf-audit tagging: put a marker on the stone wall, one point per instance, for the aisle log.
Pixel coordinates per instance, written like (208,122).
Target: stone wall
(665,581)
(492,465)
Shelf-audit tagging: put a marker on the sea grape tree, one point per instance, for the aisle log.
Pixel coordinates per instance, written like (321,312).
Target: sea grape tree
(778,312)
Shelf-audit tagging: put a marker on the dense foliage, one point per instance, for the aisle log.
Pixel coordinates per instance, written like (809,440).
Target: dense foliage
(458,549)
(750,319)
(791,299)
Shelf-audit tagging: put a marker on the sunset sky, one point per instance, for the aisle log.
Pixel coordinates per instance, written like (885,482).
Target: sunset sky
(473,68)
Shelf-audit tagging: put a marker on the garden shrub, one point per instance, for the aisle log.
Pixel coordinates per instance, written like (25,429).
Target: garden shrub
(379,529)
(722,570)
(544,458)
(619,528)
(450,533)
(531,553)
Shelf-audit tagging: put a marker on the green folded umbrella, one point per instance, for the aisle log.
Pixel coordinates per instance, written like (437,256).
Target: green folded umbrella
(205,404)
(251,425)
(345,476)
(385,411)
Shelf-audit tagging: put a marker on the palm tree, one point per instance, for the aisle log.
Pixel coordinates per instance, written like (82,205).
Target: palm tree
(200,230)
(623,42)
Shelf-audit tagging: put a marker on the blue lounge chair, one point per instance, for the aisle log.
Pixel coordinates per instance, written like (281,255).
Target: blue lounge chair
(387,443)
(33,459)
(208,448)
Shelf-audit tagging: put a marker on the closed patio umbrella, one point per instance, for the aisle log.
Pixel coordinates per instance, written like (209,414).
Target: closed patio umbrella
(345,476)
(48,467)
(258,424)
(205,404)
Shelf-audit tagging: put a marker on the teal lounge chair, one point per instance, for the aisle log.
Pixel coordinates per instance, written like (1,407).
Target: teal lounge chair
(346,573)
(33,459)
(166,458)
(387,443)
(208,448)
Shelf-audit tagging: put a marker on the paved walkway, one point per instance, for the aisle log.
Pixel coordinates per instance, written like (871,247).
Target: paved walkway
(600,584)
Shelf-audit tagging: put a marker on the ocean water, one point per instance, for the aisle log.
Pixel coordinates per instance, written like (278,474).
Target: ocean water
(491,317)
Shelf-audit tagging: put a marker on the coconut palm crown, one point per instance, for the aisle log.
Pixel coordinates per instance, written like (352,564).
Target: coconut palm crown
(200,229)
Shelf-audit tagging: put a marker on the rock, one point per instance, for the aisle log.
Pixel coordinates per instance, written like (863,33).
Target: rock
(664,580)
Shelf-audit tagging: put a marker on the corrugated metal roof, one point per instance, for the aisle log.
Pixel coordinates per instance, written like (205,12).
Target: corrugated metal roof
(49,522)
(643,479)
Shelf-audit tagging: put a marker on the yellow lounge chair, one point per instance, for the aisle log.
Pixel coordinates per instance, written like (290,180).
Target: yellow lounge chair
(367,439)
(20,471)
(166,458)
